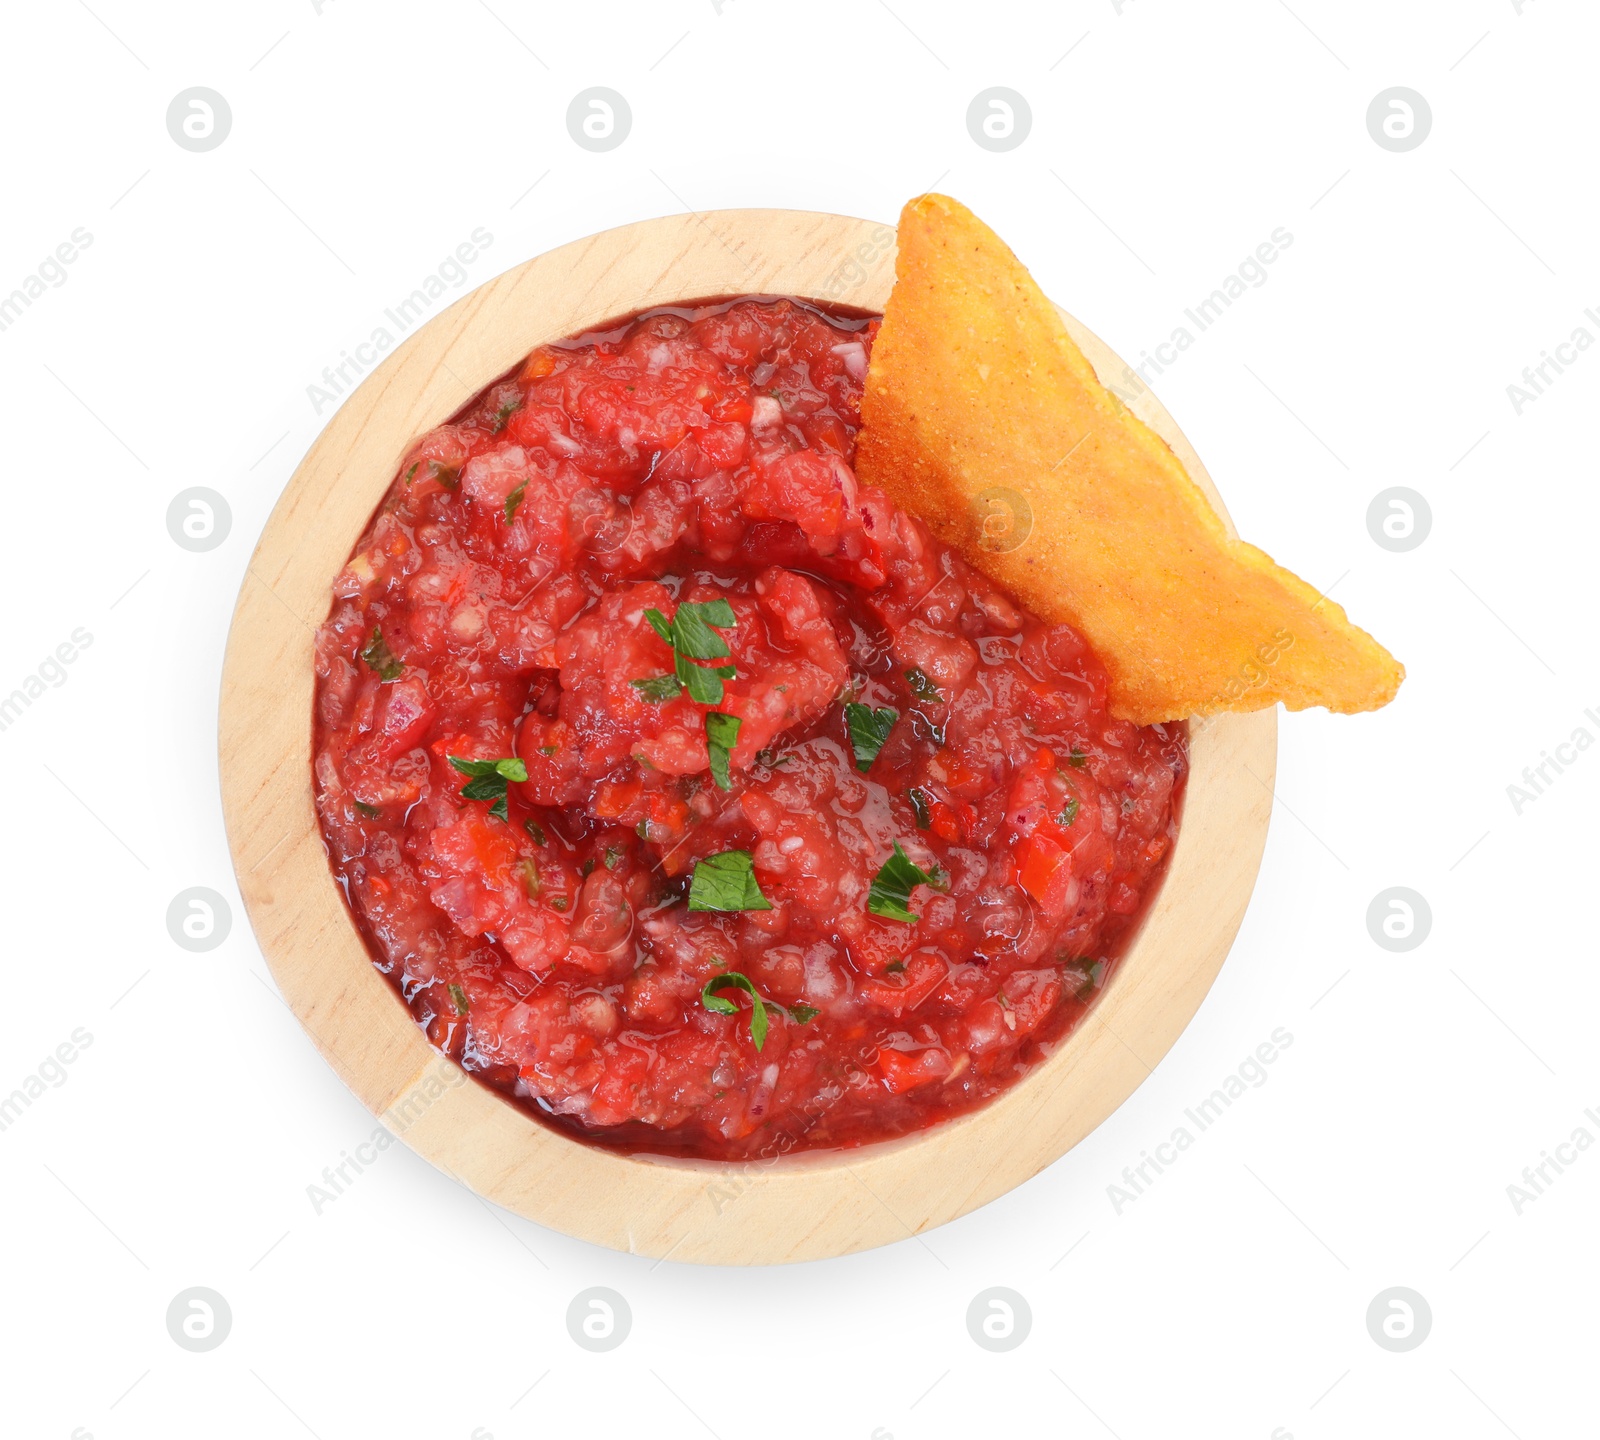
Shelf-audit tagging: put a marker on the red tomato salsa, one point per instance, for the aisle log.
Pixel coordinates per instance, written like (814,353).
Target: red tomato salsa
(694,795)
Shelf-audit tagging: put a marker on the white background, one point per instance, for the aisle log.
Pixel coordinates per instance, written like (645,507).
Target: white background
(1229,1300)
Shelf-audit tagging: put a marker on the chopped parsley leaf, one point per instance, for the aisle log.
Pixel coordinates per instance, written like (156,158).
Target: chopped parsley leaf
(758,1010)
(489,779)
(692,638)
(922,687)
(380,659)
(869,729)
(513,500)
(411,474)
(722,733)
(1068,815)
(919,804)
(536,830)
(370,811)
(447,475)
(726,882)
(658,688)
(892,886)
(1078,759)
(759,1005)
(612,857)
(458,997)
(505,412)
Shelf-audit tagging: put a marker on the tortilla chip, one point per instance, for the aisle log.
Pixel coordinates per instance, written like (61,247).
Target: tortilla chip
(982,417)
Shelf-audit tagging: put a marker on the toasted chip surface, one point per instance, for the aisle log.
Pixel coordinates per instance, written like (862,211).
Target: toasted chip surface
(982,416)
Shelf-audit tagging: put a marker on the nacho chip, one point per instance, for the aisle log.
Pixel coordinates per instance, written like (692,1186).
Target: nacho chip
(982,417)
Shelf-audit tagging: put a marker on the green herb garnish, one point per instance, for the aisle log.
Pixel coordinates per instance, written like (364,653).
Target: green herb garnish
(759,1005)
(869,729)
(919,805)
(892,886)
(489,779)
(504,413)
(447,475)
(1068,815)
(459,997)
(612,856)
(658,688)
(536,830)
(722,733)
(370,811)
(513,500)
(692,638)
(411,474)
(1077,759)
(726,882)
(922,687)
(732,979)
(380,659)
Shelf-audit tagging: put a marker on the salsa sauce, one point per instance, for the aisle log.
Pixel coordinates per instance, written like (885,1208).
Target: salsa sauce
(691,793)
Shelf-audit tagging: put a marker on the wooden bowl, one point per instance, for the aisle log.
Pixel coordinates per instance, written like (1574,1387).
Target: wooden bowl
(795,1208)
